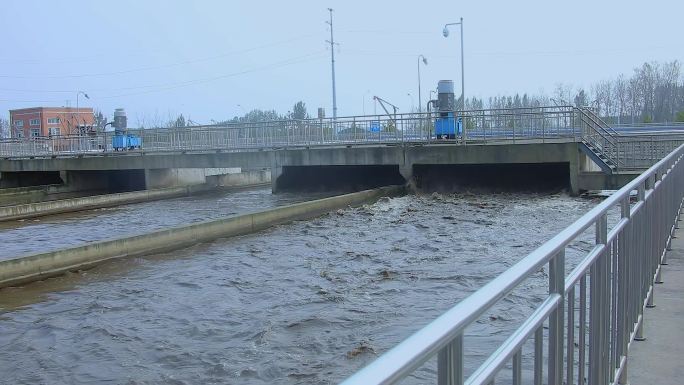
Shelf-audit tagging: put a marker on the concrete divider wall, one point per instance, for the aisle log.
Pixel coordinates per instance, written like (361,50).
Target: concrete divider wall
(31,210)
(41,208)
(34,194)
(38,266)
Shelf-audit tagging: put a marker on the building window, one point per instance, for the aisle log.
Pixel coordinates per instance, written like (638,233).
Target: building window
(20,133)
(35,122)
(35,132)
(53,121)
(18,123)
(54,131)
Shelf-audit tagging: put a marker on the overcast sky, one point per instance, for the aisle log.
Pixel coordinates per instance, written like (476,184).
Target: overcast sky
(217,59)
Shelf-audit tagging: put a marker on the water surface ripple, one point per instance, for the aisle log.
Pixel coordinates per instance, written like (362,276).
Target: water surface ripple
(304,303)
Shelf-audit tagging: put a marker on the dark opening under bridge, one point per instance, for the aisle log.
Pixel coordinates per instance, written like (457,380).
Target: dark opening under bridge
(523,145)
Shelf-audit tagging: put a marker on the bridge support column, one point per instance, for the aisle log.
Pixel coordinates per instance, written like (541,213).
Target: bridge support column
(276,172)
(406,172)
(574,171)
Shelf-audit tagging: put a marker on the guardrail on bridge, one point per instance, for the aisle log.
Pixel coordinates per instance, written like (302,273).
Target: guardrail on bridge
(487,126)
(608,291)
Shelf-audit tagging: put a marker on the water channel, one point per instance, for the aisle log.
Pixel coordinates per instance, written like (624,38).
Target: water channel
(57,231)
(304,303)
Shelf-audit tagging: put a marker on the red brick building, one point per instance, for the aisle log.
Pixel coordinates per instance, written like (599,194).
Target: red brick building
(50,121)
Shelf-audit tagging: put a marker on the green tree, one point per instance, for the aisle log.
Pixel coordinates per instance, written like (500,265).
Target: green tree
(180,121)
(299,111)
(257,115)
(680,116)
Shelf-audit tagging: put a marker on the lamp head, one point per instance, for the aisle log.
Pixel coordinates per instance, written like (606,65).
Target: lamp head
(445,31)
(424,60)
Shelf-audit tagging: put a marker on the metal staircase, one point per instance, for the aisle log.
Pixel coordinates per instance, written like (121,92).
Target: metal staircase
(599,141)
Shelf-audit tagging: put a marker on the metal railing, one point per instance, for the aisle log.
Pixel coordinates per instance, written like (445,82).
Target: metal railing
(593,313)
(489,126)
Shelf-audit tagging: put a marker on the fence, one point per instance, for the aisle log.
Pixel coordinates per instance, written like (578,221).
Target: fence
(607,291)
(492,126)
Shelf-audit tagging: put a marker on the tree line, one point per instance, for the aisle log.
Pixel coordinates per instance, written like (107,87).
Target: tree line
(653,92)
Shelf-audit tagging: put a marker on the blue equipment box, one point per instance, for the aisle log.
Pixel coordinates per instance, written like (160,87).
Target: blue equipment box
(448,126)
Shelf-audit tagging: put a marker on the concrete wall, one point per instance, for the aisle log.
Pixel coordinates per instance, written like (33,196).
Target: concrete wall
(42,208)
(249,160)
(402,155)
(588,165)
(38,266)
(245,178)
(32,210)
(601,181)
(175,177)
(24,195)
(406,157)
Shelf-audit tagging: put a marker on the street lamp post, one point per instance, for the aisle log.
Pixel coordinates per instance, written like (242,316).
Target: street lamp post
(78,112)
(445,32)
(412,101)
(420,99)
(364,102)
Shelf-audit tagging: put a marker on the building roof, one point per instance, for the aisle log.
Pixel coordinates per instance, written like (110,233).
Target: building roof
(53,109)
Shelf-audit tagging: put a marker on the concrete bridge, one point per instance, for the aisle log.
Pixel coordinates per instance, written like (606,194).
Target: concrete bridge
(569,145)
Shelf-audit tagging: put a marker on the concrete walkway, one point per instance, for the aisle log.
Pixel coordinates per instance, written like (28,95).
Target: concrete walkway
(660,359)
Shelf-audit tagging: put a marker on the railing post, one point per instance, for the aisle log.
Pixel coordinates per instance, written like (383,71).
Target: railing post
(517,368)
(570,341)
(581,338)
(620,272)
(538,356)
(450,363)
(599,306)
(556,324)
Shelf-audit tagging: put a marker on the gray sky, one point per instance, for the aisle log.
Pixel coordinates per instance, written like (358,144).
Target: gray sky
(203,58)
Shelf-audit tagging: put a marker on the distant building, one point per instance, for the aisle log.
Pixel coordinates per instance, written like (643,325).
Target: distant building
(50,121)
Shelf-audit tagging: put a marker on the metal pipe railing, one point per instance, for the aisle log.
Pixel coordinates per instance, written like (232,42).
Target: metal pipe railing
(615,280)
(493,126)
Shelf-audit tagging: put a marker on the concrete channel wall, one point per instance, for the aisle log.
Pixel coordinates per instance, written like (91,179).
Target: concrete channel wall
(31,210)
(39,266)
(244,179)
(34,194)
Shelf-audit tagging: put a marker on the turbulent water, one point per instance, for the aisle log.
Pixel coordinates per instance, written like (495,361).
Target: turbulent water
(57,231)
(304,303)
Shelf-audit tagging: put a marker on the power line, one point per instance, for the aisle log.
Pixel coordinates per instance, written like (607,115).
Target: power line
(162,66)
(160,88)
(169,86)
(389,32)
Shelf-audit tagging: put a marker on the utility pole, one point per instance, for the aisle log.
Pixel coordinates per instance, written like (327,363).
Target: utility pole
(332,61)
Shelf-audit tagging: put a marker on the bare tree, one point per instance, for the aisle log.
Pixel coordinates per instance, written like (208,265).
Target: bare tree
(620,92)
(4,128)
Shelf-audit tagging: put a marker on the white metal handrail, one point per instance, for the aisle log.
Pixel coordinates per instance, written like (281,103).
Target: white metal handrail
(615,281)
(494,126)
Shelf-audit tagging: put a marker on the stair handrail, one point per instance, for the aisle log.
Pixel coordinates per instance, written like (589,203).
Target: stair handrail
(599,122)
(607,145)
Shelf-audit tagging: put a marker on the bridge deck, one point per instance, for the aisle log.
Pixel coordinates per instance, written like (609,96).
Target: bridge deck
(660,359)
